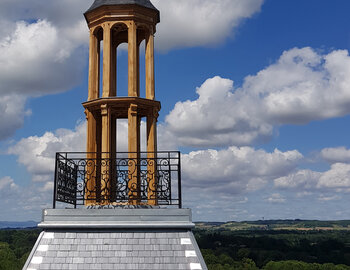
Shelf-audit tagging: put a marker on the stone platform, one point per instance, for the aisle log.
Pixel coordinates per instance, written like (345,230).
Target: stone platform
(116,239)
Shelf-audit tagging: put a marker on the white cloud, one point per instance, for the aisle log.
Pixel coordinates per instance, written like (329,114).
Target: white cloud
(229,171)
(184,23)
(43,47)
(217,118)
(40,53)
(34,60)
(25,202)
(300,87)
(303,179)
(13,112)
(63,13)
(336,179)
(235,170)
(37,154)
(276,198)
(325,198)
(190,23)
(336,155)
(7,184)
(303,194)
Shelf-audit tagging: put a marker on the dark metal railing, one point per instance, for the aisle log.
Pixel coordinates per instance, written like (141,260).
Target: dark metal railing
(118,179)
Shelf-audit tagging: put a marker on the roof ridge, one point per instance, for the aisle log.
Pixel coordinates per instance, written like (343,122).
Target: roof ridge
(143,3)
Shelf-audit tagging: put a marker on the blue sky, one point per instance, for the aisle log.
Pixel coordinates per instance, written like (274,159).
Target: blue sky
(256,95)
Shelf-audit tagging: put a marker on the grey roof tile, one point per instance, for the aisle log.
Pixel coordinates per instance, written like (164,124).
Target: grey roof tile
(117,250)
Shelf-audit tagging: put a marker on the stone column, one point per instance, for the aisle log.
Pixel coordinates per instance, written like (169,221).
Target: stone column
(113,156)
(152,157)
(94,60)
(132,61)
(107,127)
(93,167)
(150,93)
(107,61)
(134,154)
(138,69)
(113,92)
(91,148)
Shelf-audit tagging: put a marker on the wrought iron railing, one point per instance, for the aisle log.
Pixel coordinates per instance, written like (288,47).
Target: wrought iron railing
(118,179)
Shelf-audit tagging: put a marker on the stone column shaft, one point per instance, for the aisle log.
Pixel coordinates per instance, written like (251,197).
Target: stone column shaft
(114,71)
(134,154)
(94,66)
(152,158)
(132,66)
(106,163)
(92,176)
(107,61)
(150,85)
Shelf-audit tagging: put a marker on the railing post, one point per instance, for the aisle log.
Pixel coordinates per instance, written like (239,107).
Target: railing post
(55,183)
(75,176)
(169,172)
(179,179)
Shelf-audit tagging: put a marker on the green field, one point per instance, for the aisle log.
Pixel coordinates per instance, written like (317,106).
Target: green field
(302,225)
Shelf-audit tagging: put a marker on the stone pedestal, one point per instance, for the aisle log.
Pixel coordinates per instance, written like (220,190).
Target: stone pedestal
(116,239)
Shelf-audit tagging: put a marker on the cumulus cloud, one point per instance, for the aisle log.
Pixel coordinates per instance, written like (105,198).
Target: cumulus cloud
(276,198)
(303,179)
(37,154)
(13,112)
(184,23)
(43,47)
(7,184)
(34,61)
(336,155)
(63,13)
(236,169)
(228,171)
(336,179)
(24,201)
(302,86)
(190,23)
(326,198)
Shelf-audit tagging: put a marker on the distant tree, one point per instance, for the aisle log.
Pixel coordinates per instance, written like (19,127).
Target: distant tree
(8,260)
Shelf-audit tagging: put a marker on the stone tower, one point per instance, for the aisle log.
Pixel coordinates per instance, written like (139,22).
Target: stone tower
(114,210)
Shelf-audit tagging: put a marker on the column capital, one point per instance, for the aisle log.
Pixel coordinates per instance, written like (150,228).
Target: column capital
(130,23)
(153,112)
(86,112)
(104,109)
(106,25)
(133,109)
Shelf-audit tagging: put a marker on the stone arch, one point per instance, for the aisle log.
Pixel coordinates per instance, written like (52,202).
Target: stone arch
(98,32)
(119,33)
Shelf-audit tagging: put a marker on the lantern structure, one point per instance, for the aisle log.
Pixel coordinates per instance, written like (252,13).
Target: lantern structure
(112,209)
(113,23)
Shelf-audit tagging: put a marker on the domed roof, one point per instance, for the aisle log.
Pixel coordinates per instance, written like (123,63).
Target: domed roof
(143,3)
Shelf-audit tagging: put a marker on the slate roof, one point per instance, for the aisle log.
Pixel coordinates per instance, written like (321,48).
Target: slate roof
(143,3)
(116,249)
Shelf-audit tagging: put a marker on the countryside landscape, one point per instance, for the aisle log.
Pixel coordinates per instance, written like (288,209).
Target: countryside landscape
(263,244)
